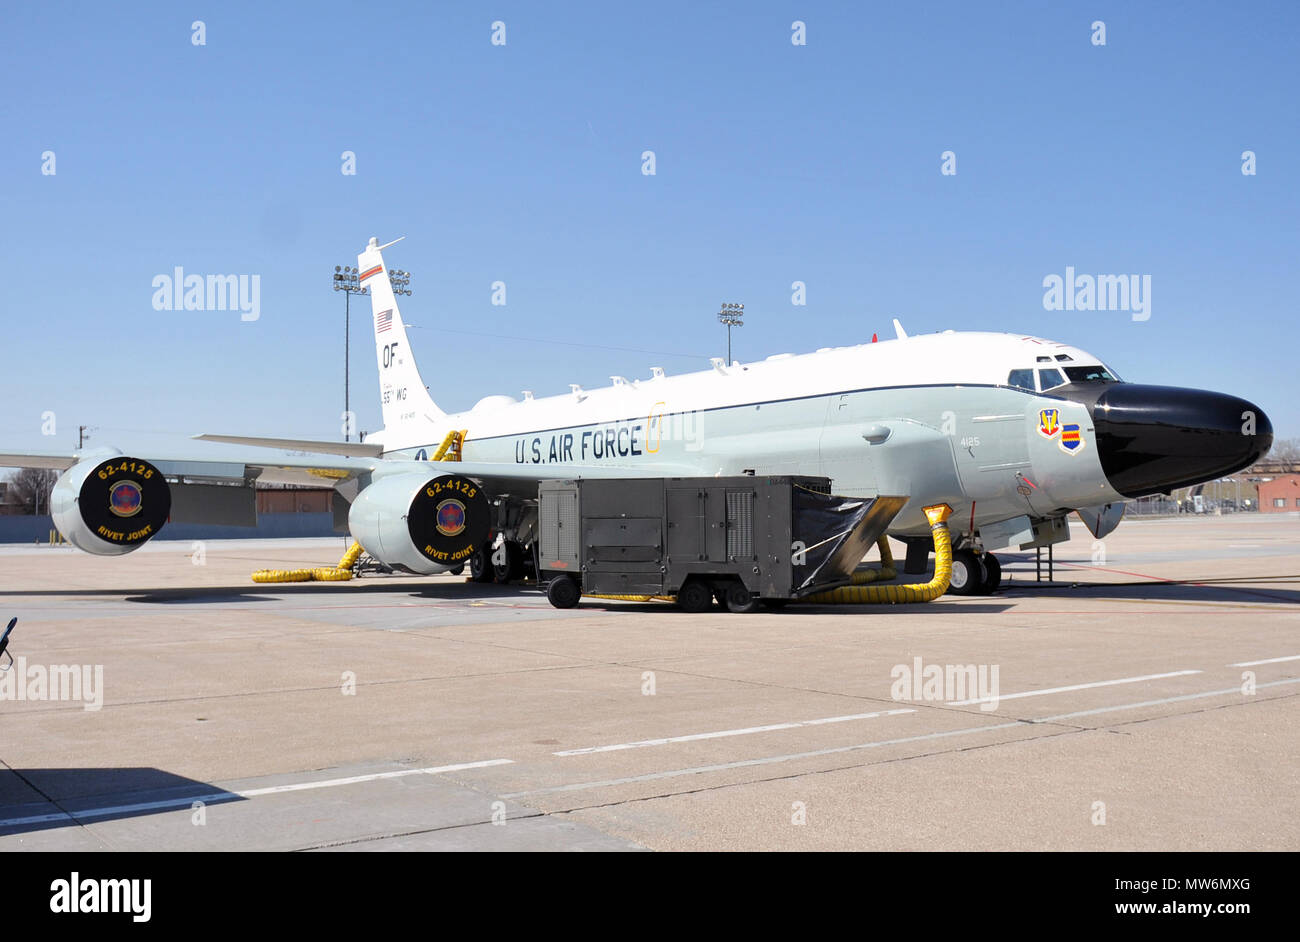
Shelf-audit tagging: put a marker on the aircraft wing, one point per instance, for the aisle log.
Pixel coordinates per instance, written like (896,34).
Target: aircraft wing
(316,468)
(500,478)
(28,459)
(347,449)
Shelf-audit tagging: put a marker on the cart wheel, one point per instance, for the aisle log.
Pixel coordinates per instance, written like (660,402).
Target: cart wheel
(695,596)
(741,601)
(563,592)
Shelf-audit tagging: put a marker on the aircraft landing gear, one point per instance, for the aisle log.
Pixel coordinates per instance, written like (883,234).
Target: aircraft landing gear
(968,573)
(508,562)
(994,570)
(480,565)
(974,574)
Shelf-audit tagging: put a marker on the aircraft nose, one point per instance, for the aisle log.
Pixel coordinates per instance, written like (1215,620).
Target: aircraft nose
(1158,438)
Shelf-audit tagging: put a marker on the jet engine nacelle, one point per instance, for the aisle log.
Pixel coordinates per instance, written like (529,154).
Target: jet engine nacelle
(110,506)
(421,524)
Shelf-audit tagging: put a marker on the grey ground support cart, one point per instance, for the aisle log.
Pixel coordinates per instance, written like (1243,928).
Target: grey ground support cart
(745,540)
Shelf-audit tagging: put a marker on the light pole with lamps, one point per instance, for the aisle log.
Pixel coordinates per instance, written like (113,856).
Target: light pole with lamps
(347,279)
(733,316)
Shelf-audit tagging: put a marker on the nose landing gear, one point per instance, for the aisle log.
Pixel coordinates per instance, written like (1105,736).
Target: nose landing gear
(974,573)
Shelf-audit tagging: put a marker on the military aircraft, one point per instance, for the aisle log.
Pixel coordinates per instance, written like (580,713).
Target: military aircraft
(1013,432)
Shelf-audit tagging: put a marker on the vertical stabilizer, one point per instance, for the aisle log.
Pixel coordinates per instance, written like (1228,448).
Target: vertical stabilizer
(409,410)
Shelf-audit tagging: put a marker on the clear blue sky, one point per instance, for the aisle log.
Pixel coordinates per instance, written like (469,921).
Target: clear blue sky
(522,163)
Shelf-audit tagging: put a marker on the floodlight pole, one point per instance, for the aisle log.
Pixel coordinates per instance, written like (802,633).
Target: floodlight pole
(733,316)
(348,280)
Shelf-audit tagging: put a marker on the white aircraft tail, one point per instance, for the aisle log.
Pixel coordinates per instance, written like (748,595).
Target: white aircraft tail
(408,408)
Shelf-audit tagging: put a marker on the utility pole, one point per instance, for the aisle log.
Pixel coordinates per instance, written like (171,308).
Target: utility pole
(733,316)
(83,433)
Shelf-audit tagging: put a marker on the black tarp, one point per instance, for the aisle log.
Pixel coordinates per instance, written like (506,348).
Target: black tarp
(835,534)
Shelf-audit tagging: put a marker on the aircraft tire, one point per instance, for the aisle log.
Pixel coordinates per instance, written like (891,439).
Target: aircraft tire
(992,574)
(480,565)
(513,566)
(968,573)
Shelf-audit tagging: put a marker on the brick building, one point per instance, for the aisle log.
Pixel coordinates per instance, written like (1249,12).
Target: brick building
(1280,494)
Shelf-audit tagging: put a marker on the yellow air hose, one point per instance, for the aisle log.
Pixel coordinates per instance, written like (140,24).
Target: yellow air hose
(885,573)
(633,598)
(340,573)
(859,594)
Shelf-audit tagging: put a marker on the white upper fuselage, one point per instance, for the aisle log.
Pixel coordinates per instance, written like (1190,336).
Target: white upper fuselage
(945,359)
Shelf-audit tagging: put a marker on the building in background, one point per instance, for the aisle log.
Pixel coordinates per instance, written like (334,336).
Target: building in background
(1279,494)
(283,511)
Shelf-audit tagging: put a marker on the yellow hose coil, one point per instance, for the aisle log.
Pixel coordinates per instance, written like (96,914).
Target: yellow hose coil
(633,598)
(858,594)
(340,573)
(887,570)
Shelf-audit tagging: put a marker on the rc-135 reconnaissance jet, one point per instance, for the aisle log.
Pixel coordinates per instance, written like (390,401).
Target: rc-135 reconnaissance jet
(1012,432)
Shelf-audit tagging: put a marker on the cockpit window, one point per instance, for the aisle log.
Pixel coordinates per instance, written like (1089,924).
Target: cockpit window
(1022,378)
(1090,374)
(1048,379)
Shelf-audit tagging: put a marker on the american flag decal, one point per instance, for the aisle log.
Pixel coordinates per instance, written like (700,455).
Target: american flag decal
(383,321)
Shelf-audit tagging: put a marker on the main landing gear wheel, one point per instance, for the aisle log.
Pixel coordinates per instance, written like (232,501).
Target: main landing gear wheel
(740,600)
(695,596)
(511,564)
(993,574)
(563,592)
(968,573)
(480,565)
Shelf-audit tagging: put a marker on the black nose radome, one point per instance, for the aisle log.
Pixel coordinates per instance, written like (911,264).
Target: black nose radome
(1153,439)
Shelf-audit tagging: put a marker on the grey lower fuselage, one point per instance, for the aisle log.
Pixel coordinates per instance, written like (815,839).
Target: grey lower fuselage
(979,449)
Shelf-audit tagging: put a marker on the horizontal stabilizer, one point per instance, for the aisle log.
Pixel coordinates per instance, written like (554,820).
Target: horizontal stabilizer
(347,449)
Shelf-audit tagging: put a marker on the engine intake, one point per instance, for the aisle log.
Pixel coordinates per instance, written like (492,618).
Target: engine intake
(420,524)
(110,506)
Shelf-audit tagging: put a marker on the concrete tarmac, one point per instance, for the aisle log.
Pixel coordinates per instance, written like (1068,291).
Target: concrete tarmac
(1146,700)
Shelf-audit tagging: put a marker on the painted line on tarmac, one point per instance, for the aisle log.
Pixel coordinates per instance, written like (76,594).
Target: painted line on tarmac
(225,796)
(720,734)
(1271,660)
(768,760)
(373,777)
(1045,691)
(966,731)
(1146,703)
